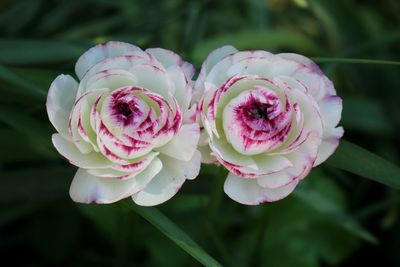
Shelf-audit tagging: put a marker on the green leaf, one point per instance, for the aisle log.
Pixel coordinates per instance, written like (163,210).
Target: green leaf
(39,52)
(355,61)
(29,87)
(357,160)
(173,232)
(37,133)
(323,195)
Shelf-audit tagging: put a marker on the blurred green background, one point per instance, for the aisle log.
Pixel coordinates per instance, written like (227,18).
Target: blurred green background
(333,219)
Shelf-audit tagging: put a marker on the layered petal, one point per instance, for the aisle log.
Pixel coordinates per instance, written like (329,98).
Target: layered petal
(170,59)
(249,192)
(184,143)
(168,182)
(101,52)
(60,100)
(87,188)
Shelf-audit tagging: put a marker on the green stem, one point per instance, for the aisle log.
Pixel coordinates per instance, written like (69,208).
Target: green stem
(355,61)
(211,210)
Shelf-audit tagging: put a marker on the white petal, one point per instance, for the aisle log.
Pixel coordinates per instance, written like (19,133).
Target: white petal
(184,143)
(330,142)
(249,192)
(60,100)
(167,183)
(206,155)
(191,115)
(68,150)
(225,151)
(205,150)
(169,58)
(153,79)
(110,79)
(302,60)
(86,188)
(302,161)
(101,52)
(263,67)
(183,90)
(217,55)
(219,72)
(210,61)
(331,111)
(120,62)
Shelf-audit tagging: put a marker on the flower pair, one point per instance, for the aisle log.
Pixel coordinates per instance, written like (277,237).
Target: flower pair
(137,126)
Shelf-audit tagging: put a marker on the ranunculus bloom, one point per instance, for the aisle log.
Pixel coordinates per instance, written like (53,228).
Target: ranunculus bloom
(267,118)
(126,124)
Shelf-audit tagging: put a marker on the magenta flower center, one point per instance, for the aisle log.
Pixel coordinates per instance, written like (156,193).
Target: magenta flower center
(124,109)
(258,111)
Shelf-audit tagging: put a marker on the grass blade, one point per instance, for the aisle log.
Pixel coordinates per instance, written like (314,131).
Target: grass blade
(355,61)
(173,232)
(357,160)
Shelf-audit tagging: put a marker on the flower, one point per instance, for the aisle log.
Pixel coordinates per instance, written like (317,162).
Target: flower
(127,124)
(267,118)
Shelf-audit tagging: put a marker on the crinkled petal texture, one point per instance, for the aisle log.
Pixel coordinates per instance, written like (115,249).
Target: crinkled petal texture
(267,118)
(127,124)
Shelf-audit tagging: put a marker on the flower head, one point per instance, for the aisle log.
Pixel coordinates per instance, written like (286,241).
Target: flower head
(267,118)
(127,124)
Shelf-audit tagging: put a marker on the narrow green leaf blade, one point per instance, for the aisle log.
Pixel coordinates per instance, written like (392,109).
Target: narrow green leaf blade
(356,61)
(30,88)
(173,232)
(39,51)
(357,160)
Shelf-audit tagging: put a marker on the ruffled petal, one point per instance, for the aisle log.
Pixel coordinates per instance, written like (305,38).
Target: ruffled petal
(249,192)
(101,52)
(184,144)
(86,188)
(330,142)
(183,90)
(60,100)
(68,150)
(169,59)
(110,79)
(331,111)
(210,61)
(168,182)
(153,79)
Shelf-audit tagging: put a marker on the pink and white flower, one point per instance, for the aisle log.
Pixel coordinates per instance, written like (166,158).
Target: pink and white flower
(267,118)
(127,124)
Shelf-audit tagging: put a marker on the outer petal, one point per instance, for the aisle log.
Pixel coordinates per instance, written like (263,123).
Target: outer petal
(169,58)
(184,143)
(249,192)
(86,188)
(302,161)
(302,60)
(331,111)
(210,61)
(330,142)
(247,166)
(154,79)
(206,153)
(68,150)
(183,90)
(111,79)
(167,183)
(101,52)
(60,100)
(215,56)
